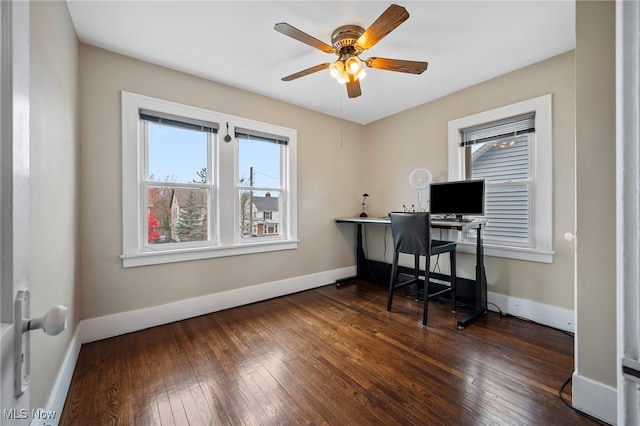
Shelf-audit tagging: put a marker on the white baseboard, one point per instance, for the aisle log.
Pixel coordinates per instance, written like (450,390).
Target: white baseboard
(58,394)
(552,316)
(93,329)
(107,326)
(594,398)
(126,322)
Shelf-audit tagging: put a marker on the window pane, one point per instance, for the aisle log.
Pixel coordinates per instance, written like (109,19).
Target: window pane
(507,208)
(504,164)
(259,213)
(258,164)
(176,155)
(189,213)
(501,159)
(159,215)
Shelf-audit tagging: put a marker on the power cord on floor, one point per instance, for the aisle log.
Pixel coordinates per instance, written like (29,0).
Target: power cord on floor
(497,307)
(568,404)
(566,382)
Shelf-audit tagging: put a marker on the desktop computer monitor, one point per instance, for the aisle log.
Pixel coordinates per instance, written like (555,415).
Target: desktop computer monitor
(459,198)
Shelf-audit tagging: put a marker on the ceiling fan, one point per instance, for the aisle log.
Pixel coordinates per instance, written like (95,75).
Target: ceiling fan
(348,42)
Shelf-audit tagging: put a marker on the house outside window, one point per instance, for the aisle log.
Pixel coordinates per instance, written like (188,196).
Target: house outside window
(265,215)
(189,223)
(511,149)
(259,184)
(184,190)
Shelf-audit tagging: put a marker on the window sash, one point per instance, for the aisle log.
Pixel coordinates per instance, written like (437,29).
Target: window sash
(509,216)
(211,141)
(259,136)
(209,237)
(506,166)
(146,184)
(256,219)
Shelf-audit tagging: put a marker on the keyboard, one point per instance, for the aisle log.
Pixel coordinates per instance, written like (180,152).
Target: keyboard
(452,219)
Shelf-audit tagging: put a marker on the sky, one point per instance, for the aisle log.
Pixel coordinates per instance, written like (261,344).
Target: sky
(177,154)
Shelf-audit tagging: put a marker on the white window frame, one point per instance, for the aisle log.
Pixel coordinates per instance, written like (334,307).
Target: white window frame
(282,201)
(542,196)
(135,250)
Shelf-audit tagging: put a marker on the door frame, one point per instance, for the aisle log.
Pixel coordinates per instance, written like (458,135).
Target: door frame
(628,207)
(14,195)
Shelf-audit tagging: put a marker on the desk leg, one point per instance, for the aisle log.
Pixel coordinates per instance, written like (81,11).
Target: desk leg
(481,285)
(360,258)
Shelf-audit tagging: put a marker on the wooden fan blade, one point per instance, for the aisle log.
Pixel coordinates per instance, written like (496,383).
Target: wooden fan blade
(306,72)
(293,32)
(387,22)
(353,87)
(399,65)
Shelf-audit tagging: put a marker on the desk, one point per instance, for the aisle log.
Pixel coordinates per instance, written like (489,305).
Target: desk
(479,305)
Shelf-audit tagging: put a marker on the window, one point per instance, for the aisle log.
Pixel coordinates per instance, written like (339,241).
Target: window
(499,152)
(188,194)
(511,148)
(176,180)
(259,181)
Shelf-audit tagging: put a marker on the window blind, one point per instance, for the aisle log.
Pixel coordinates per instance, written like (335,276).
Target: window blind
(501,160)
(507,209)
(255,135)
(512,126)
(176,121)
(504,164)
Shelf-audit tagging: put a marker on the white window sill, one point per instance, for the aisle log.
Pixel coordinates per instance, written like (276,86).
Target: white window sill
(197,253)
(532,255)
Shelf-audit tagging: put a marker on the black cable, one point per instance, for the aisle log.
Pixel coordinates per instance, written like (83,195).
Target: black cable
(497,307)
(564,385)
(566,382)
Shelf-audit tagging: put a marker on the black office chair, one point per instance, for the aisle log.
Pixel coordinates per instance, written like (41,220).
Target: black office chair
(412,235)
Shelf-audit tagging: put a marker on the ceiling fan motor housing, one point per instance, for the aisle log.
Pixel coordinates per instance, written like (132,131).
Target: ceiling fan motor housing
(345,37)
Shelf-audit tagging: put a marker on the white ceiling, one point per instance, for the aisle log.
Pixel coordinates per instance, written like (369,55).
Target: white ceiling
(234,43)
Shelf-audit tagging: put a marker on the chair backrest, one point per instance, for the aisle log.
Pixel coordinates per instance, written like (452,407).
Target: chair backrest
(411,232)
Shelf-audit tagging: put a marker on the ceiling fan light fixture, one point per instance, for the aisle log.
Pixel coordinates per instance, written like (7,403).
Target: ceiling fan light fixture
(354,64)
(344,77)
(361,74)
(336,68)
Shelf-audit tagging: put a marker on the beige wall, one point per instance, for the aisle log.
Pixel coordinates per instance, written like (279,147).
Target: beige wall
(596,191)
(329,185)
(331,178)
(418,138)
(54,194)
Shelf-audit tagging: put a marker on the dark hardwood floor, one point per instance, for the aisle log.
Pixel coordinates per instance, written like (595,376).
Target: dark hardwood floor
(327,356)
